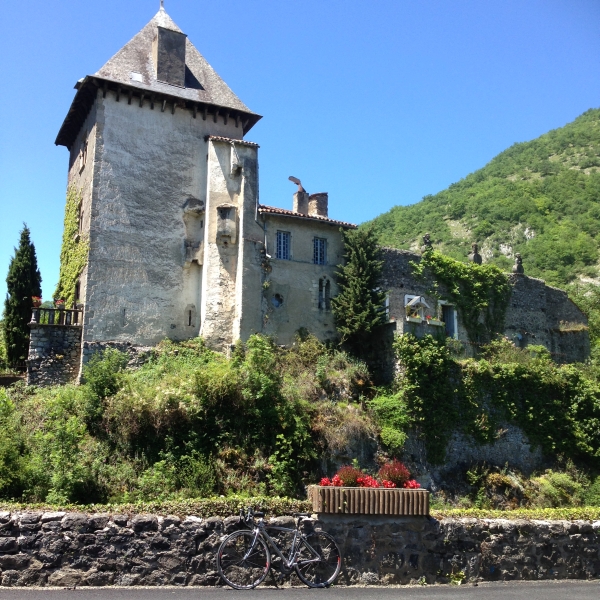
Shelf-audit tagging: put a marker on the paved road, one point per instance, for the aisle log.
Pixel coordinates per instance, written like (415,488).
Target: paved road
(578,590)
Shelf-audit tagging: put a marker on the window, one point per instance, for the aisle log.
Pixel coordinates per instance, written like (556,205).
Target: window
(324,294)
(320,251)
(449,318)
(283,245)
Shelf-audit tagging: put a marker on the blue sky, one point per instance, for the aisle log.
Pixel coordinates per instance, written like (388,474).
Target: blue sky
(377,102)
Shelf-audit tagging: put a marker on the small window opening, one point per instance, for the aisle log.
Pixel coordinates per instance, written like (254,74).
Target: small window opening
(189,318)
(449,318)
(324,301)
(277,300)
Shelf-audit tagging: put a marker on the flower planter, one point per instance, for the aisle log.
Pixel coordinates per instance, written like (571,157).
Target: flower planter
(435,322)
(414,319)
(369,501)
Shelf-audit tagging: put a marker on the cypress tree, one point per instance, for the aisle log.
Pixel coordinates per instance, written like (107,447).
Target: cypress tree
(23,282)
(359,307)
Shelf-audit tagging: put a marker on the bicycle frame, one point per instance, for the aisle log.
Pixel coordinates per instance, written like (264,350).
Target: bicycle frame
(261,530)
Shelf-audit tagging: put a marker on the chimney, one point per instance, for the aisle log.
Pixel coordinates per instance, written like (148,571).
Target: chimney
(169,56)
(301,203)
(318,204)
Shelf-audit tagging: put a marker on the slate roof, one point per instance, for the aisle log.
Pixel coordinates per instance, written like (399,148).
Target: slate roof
(272,210)
(132,67)
(220,138)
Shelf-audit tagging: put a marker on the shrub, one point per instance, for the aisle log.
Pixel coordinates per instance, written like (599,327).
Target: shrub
(591,497)
(350,475)
(553,489)
(394,471)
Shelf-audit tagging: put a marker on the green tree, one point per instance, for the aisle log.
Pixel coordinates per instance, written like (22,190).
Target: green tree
(23,281)
(359,307)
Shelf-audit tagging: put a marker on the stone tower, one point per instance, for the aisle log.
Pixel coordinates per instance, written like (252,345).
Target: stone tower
(157,153)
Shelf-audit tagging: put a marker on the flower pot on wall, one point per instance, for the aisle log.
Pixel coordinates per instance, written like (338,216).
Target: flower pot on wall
(369,501)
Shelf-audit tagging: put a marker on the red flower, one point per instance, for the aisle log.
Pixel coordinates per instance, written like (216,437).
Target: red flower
(412,484)
(367,481)
(388,484)
(336,481)
(325,481)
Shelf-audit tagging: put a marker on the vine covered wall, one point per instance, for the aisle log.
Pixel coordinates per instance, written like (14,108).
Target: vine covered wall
(74,249)
(479,292)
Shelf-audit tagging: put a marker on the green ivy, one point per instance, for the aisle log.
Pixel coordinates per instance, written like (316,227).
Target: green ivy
(480,292)
(74,250)
(557,406)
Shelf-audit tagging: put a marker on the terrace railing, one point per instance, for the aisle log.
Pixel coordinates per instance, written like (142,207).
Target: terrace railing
(56,316)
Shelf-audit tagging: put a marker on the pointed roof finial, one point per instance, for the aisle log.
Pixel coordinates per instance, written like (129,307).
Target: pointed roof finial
(162,4)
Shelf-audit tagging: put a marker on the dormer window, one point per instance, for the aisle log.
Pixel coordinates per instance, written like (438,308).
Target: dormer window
(416,308)
(169,54)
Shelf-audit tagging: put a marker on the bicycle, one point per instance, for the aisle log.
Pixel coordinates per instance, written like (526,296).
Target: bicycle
(244,558)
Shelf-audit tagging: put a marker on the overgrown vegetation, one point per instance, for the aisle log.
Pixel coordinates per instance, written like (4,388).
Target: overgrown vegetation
(558,406)
(538,198)
(359,306)
(480,292)
(74,249)
(22,282)
(189,423)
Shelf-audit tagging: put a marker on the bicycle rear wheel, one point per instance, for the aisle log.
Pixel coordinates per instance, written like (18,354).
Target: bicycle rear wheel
(243,562)
(319,560)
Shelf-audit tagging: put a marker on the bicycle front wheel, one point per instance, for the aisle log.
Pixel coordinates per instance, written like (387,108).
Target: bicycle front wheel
(319,560)
(243,561)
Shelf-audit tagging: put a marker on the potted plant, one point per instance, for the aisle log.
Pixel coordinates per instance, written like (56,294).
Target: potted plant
(36,301)
(390,492)
(60,304)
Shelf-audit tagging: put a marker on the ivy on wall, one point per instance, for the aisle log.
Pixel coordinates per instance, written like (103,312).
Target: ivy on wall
(480,292)
(557,406)
(74,249)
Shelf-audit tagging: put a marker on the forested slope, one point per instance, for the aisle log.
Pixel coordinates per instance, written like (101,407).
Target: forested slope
(540,198)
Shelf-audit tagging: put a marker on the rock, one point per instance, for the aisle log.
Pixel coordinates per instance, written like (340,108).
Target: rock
(75,522)
(8,544)
(144,523)
(120,520)
(52,516)
(4,516)
(29,518)
(65,578)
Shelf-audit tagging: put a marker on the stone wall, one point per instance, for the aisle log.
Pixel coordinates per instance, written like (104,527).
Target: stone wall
(138,355)
(66,550)
(537,314)
(54,354)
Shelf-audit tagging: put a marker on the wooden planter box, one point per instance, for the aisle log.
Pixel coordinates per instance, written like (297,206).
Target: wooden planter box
(369,501)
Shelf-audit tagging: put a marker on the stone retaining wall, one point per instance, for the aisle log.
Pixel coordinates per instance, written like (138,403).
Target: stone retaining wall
(54,354)
(58,549)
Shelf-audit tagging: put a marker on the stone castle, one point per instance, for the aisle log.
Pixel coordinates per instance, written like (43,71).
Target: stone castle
(179,244)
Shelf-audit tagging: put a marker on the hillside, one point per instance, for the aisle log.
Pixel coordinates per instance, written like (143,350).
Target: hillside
(540,198)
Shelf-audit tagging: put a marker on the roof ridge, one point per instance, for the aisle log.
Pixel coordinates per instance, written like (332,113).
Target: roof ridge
(290,213)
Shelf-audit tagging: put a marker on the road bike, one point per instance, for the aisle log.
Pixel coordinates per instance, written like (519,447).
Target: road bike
(244,558)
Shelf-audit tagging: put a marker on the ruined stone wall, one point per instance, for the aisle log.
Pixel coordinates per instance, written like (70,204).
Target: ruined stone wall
(54,354)
(138,355)
(67,550)
(537,314)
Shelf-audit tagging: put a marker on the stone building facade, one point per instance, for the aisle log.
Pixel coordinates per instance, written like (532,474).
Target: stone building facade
(179,245)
